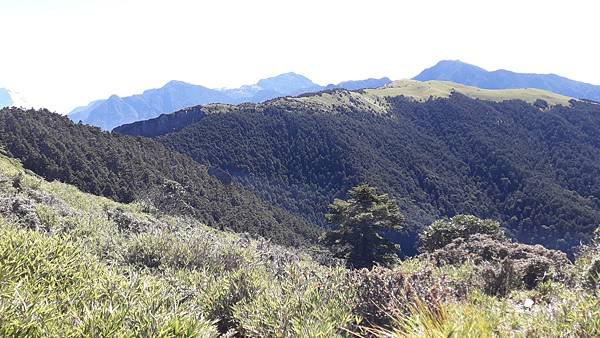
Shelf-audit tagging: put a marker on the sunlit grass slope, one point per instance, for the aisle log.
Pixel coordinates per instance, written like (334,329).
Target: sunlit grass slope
(423,90)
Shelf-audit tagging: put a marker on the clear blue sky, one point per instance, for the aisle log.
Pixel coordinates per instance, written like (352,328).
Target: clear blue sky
(64,53)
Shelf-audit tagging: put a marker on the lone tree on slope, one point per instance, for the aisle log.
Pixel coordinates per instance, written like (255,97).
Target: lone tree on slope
(362,222)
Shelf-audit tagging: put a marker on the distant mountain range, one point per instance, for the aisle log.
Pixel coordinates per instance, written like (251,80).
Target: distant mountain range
(369,100)
(175,95)
(460,72)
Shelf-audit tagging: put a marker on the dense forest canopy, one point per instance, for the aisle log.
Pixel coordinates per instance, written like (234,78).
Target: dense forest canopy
(535,167)
(128,168)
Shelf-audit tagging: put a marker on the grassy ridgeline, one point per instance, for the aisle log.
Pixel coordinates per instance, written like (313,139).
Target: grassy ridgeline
(74,264)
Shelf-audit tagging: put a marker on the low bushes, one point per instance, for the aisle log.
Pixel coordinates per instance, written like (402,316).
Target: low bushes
(503,265)
(442,232)
(142,275)
(384,293)
(528,265)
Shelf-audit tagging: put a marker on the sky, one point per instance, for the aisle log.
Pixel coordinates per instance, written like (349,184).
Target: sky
(60,54)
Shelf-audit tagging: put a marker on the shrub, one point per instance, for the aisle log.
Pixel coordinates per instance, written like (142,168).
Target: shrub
(383,293)
(448,320)
(587,264)
(592,275)
(234,288)
(126,222)
(187,249)
(22,210)
(148,250)
(442,232)
(505,265)
(500,279)
(566,314)
(48,218)
(302,304)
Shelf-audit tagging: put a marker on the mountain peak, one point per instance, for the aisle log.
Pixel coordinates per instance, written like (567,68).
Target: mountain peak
(288,75)
(114,97)
(176,84)
(286,82)
(448,70)
(470,75)
(454,63)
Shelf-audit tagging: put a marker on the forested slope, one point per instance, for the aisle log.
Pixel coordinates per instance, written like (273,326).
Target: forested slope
(129,168)
(535,166)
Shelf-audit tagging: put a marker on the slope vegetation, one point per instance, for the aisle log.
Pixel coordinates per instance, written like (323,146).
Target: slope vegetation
(127,168)
(113,269)
(424,90)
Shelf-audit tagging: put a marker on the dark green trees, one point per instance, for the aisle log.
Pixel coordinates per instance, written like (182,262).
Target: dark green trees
(362,223)
(536,172)
(127,168)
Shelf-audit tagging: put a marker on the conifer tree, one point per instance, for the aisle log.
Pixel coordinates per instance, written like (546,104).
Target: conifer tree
(362,223)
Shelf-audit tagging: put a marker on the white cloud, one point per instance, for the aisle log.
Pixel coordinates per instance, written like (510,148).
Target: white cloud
(64,53)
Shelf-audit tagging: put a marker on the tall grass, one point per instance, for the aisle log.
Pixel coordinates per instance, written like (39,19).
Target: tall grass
(51,288)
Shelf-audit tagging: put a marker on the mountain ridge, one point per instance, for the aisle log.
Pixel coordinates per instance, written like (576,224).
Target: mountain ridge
(175,95)
(370,100)
(471,75)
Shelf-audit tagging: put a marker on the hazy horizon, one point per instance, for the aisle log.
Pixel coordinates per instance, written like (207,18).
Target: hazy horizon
(65,53)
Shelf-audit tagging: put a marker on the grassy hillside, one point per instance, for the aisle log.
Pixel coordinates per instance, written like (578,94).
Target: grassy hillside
(375,100)
(535,166)
(78,265)
(423,90)
(130,169)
